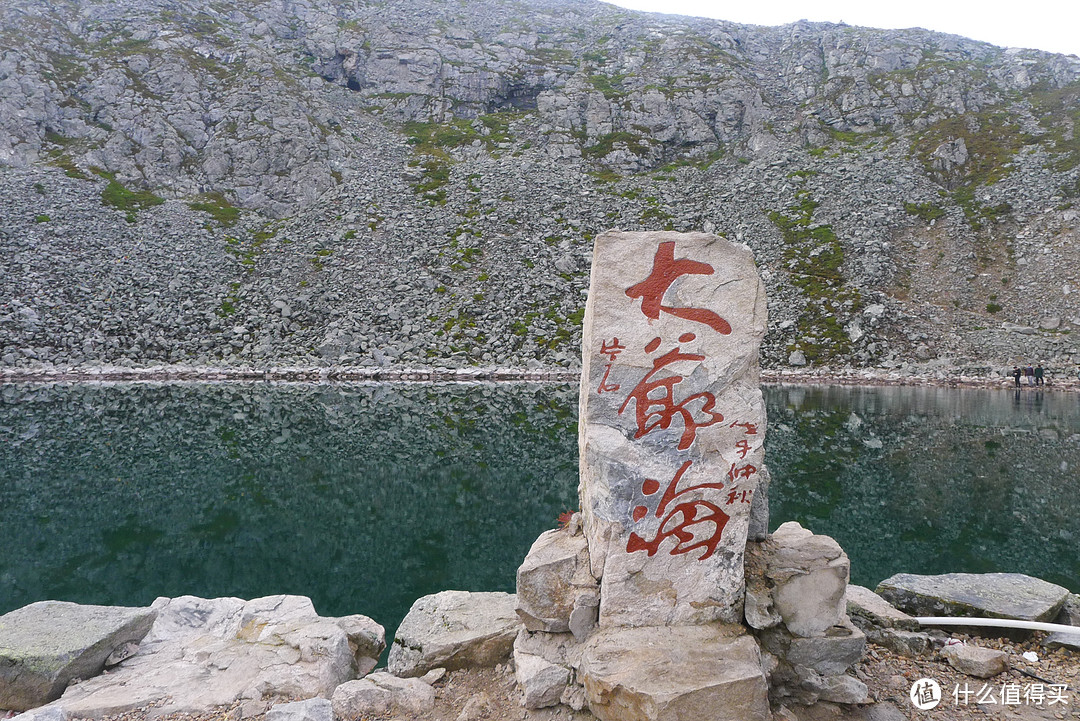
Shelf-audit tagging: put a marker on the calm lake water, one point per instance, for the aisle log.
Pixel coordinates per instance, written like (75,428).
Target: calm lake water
(365,497)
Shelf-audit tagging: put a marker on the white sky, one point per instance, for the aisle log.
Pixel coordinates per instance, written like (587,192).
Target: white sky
(1052,25)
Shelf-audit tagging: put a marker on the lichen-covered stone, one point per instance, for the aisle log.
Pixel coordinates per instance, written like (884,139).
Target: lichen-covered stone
(45,645)
(990,595)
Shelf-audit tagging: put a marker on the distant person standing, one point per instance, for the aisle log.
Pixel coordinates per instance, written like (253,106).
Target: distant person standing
(1039,372)
(1029,374)
(1016,375)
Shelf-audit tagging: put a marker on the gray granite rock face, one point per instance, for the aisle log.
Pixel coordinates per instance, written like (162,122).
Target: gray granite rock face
(312,709)
(797,578)
(671,424)
(454,629)
(1069,616)
(45,645)
(885,625)
(866,607)
(992,595)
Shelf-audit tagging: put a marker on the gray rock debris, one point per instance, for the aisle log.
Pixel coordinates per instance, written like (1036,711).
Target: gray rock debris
(296,112)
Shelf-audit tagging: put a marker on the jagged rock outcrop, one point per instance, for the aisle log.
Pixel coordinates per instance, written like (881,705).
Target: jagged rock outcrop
(345,182)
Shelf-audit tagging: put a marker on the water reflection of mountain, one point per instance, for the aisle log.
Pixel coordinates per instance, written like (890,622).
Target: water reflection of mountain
(929,480)
(362,497)
(365,497)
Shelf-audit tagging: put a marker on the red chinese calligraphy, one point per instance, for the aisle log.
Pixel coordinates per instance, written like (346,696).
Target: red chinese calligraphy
(741,472)
(743,496)
(750,428)
(742,447)
(653,413)
(683,522)
(665,271)
(612,351)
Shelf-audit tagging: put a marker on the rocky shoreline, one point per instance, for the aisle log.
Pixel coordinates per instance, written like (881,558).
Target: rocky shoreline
(912,376)
(467,656)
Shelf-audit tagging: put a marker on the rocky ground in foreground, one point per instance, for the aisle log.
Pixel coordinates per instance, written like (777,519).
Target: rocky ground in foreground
(492,694)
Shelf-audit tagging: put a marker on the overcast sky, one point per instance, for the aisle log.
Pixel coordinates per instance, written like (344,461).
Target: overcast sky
(1052,25)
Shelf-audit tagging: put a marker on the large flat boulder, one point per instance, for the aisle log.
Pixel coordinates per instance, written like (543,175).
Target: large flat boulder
(673,673)
(203,653)
(986,595)
(454,629)
(45,645)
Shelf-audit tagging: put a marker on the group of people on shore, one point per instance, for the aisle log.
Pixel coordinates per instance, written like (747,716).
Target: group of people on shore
(1035,375)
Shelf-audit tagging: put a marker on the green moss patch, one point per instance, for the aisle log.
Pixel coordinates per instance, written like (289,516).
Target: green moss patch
(814,259)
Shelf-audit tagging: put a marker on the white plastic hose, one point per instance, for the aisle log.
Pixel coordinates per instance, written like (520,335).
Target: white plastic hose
(997,623)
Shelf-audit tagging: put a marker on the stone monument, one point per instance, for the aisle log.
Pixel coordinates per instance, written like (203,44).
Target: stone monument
(635,607)
(671,425)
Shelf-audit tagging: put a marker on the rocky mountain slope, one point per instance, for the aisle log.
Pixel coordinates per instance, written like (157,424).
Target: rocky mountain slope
(406,182)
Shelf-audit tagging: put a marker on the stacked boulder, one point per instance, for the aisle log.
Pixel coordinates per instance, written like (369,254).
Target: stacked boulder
(796,584)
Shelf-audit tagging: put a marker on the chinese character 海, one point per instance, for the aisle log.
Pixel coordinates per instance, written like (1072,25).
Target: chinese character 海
(683,521)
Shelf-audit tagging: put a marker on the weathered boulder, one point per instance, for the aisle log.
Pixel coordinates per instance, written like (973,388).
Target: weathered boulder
(839,688)
(45,645)
(884,625)
(454,629)
(380,694)
(798,578)
(829,654)
(554,582)
(865,607)
(545,664)
(975,660)
(542,682)
(44,713)
(671,424)
(669,673)
(1069,616)
(312,709)
(203,653)
(367,641)
(990,595)
(353,700)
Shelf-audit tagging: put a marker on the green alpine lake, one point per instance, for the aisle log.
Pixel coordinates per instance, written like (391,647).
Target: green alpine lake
(367,496)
